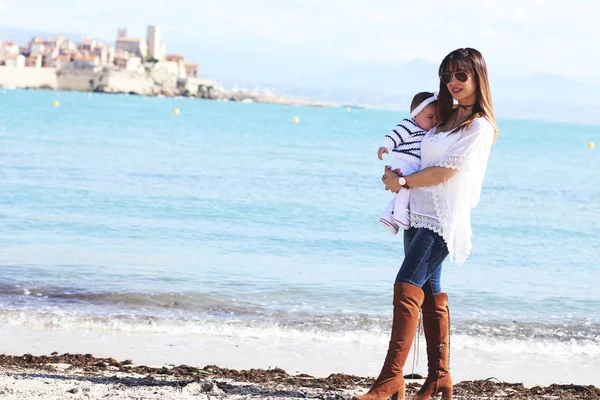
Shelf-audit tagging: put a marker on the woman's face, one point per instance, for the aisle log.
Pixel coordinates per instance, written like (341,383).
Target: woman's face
(463,92)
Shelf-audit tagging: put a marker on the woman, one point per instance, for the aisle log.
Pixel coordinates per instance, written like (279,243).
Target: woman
(453,163)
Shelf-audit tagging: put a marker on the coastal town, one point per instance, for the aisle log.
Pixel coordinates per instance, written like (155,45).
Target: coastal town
(130,66)
(60,52)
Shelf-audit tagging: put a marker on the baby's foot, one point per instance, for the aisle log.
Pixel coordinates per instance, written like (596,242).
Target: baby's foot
(402,219)
(389,224)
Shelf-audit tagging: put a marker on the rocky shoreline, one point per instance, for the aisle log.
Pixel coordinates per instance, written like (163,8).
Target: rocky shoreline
(85,376)
(150,82)
(211,93)
(223,94)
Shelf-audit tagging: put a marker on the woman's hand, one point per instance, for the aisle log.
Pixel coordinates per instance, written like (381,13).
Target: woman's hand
(390,179)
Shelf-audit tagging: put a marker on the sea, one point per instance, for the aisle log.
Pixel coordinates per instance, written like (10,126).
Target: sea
(122,218)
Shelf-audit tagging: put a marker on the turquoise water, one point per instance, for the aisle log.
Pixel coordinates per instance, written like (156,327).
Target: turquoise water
(117,214)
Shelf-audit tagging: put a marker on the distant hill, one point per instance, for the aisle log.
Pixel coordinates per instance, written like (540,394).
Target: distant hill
(546,88)
(391,82)
(389,85)
(406,78)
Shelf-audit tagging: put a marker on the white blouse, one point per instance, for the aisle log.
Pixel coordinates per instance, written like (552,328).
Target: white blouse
(446,208)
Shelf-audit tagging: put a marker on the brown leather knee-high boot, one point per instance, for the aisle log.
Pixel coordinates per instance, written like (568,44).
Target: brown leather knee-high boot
(407,302)
(436,324)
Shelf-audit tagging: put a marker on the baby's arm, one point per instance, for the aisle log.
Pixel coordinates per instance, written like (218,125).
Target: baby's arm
(392,140)
(382,150)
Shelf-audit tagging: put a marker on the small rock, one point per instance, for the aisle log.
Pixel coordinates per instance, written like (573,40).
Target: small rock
(211,388)
(206,387)
(60,366)
(74,390)
(331,396)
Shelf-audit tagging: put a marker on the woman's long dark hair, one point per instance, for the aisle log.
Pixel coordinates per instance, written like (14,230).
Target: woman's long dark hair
(472,62)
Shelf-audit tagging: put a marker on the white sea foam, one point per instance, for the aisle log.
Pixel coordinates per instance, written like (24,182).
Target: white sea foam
(531,345)
(234,328)
(241,329)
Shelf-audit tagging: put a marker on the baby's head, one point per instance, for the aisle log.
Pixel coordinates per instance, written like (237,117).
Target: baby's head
(423,110)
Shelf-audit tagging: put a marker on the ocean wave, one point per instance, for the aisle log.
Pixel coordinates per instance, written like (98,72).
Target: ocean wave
(527,345)
(281,308)
(234,327)
(216,314)
(512,342)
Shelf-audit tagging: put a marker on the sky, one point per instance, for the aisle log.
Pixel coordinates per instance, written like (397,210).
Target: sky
(516,37)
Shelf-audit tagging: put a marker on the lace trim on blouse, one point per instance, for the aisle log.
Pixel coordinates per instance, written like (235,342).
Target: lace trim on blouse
(424,221)
(454,162)
(441,208)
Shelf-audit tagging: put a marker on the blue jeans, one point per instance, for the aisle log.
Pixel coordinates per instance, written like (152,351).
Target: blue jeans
(424,252)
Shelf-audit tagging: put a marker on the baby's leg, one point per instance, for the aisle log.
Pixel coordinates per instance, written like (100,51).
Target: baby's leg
(387,219)
(402,200)
(401,212)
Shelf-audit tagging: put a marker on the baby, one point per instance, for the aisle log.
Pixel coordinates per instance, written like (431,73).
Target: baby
(405,141)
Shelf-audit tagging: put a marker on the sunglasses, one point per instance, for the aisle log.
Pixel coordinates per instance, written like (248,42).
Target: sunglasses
(460,76)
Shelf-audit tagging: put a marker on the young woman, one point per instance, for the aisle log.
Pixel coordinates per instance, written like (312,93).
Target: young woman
(453,162)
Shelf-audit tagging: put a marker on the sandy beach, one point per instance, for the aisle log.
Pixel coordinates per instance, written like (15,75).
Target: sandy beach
(83,376)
